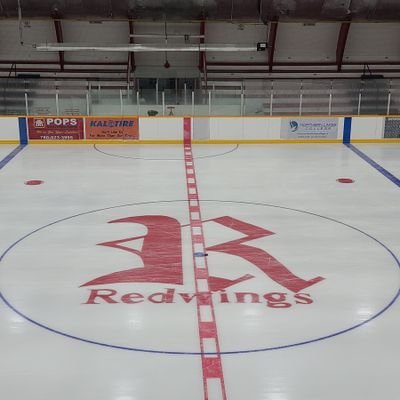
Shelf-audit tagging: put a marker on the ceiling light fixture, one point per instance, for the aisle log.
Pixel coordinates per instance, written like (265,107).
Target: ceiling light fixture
(261,46)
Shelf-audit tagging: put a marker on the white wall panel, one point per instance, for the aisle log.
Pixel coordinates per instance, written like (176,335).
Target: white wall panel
(105,33)
(245,128)
(223,33)
(373,42)
(233,128)
(158,58)
(214,127)
(226,128)
(33,32)
(161,128)
(340,128)
(255,128)
(201,128)
(367,128)
(9,128)
(304,43)
(274,128)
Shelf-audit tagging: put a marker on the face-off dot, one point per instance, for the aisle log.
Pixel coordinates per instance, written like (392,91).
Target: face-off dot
(34,182)
(345,180)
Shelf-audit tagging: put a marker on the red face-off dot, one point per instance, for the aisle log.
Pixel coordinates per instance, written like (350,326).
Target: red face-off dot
(345,180)
(33,182)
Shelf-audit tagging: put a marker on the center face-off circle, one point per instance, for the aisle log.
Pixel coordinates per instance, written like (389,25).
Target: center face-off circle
(66,277)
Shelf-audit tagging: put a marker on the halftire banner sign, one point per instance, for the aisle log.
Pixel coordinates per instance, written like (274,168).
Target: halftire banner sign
(119,128)
(309,128)
(55,128)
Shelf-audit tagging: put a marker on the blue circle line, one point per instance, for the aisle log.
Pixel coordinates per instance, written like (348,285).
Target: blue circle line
(235,352)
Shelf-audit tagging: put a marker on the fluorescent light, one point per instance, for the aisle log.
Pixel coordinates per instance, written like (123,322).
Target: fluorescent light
(146,47)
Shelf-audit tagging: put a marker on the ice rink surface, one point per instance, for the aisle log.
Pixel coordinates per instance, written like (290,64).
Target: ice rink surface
(113,268)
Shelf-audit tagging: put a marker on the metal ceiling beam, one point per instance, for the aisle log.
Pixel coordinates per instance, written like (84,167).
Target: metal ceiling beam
(341,44)
(60,39)
(40,62)
(235,64)
(273,30)
(218,10)
(231,74)
(162,36)
(67,71)
(276,64)
(209,64)
(331,71)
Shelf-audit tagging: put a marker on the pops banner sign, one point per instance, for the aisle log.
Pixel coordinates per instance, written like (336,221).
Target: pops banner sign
(55,128)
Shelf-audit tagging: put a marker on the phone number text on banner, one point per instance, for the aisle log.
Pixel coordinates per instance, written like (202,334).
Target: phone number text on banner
(309,128)
(55,128)
(118,128)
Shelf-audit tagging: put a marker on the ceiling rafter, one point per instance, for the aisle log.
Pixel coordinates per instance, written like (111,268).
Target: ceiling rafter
(3,9)
(60,39)
(202,55)
(131,56)
(341,43)
(273,30)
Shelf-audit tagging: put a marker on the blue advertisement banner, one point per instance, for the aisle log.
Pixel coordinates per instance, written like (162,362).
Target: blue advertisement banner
(309,128)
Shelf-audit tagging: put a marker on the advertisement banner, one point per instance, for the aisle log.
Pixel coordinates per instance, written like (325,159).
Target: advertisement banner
(118,128)
(55,128)
(392,128)
(309,128)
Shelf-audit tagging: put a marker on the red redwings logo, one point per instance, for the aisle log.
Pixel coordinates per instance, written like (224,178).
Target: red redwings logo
(162,263)
(129,276)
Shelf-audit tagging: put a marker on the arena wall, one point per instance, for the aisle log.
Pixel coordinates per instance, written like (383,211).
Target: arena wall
(116,129)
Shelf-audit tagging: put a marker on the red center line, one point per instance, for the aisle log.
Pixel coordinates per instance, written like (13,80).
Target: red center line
(213,377)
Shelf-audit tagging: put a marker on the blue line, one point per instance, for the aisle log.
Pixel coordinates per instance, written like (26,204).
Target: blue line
(347,130)
(8,158)
(23,130)
(374,164)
